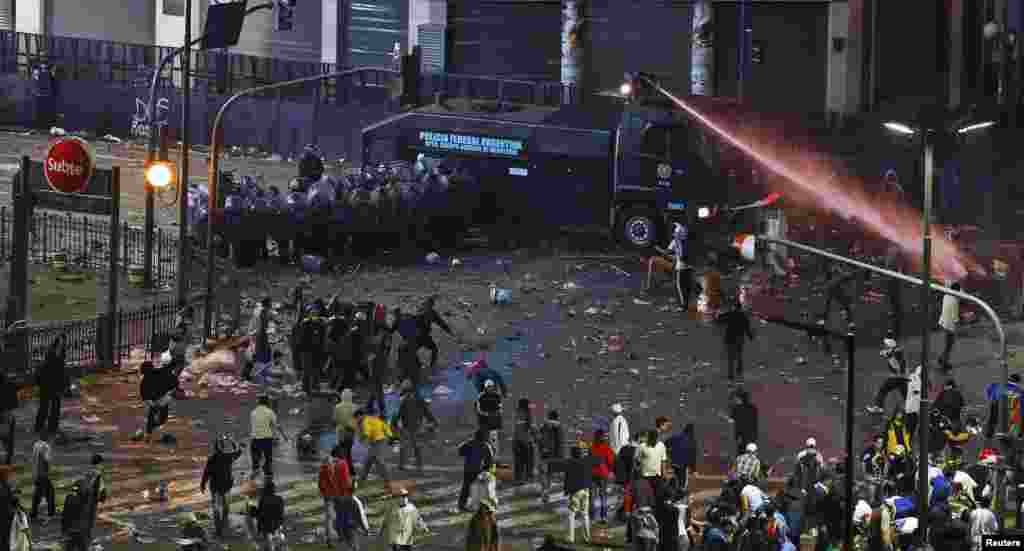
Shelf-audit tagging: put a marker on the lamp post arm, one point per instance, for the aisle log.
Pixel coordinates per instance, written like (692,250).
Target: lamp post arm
(897,275)
(160,69)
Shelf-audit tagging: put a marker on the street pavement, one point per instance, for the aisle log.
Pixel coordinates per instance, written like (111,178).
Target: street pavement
(551,344)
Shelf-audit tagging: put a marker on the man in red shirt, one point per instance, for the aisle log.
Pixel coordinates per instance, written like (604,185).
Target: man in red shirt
(604,466)
(335,483)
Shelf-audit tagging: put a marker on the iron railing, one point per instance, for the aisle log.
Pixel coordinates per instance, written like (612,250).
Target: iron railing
(84,240)
(220,73)
(144,327)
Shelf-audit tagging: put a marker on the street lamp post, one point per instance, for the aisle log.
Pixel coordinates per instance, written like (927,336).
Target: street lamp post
(214,164)
(927,145)
(186,146)
(182,285)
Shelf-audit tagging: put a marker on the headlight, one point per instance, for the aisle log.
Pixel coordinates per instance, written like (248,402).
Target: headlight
(703,212)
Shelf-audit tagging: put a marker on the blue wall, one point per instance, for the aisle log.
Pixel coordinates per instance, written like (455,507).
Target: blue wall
(283,127)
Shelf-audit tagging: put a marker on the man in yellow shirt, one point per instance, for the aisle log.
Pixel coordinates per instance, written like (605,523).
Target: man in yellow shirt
(264,428)
(375,433)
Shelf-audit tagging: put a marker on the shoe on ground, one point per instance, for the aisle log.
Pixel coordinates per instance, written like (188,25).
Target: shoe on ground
(875,410)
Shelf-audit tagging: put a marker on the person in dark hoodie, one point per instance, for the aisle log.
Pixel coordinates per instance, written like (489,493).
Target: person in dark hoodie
(426,318)
(52,380)
(218,473)
(412,411)
(552,452)
(744,416)
(899,377)
(951,402)
(524,437)
(157,390)
(682,453)
(477,456)
(71,520)
(269,514)
(737,330)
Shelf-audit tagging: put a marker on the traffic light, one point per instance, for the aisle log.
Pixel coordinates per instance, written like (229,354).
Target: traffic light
(284,15)
(159,174)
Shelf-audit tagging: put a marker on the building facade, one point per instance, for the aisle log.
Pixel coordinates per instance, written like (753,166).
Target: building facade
(162,23)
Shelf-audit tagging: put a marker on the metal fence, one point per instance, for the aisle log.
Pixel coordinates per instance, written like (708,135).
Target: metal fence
(144,327)
(85,240)
(220,73)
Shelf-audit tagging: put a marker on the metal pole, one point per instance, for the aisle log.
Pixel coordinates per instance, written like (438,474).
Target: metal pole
(186,145)
(742,47)
(926,333)
(214,165)
(149,225)
(851,348)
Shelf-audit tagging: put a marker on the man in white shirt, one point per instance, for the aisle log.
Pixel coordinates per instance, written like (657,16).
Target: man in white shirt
(948,321)
(912,405)
(651,458)
(618,430)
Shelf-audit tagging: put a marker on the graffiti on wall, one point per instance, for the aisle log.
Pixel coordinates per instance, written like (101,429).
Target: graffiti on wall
(141,118)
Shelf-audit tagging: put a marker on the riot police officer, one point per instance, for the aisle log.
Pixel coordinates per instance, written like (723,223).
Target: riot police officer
(311,347)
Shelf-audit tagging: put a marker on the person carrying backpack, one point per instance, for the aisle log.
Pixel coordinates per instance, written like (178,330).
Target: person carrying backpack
(552,452)
(218,472)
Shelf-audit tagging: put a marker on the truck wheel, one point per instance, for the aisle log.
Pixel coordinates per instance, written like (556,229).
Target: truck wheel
(638,229)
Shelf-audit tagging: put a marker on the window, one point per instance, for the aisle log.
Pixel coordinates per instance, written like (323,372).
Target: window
(174,7)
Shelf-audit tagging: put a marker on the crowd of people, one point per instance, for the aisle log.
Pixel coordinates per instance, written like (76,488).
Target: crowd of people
(640,479)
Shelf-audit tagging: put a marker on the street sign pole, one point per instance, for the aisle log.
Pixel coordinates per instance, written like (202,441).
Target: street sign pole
(182,280)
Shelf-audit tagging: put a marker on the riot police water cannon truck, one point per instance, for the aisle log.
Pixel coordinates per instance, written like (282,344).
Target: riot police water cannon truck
(628,168)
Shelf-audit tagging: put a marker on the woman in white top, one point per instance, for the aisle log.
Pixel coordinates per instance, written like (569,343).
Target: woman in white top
(948,321)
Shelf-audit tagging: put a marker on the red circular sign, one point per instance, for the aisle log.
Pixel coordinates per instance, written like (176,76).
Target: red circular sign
(68,165)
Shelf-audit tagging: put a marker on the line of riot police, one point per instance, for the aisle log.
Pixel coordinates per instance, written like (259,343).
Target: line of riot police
(318,216)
